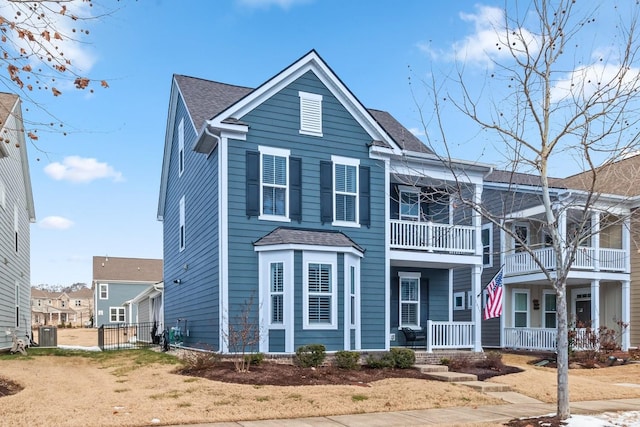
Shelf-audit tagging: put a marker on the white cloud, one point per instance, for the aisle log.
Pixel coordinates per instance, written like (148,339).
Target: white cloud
(488,42)
(417,132)
(264,4)
(55,223)
(82,169)
(584,82)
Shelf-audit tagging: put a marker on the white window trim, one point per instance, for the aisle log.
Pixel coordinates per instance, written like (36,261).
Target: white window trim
(3,195)
(346,161)
(352,261)
(408,275)
(182,232)
(311,101)
(488,226)
(181,148)
(412,190)
(462,296)
(17,298)
(320,258)
(118,311)
(106,288)
(265,259)
(16,226)
(280,152)
(544,307)
(513,307)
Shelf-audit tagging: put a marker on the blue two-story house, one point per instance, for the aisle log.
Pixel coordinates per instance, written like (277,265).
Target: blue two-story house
(294,211)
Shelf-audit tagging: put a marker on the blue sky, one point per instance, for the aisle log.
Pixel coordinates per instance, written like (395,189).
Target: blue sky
(96,189)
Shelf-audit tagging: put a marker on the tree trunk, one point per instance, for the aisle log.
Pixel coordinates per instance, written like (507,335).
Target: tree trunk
(563,352)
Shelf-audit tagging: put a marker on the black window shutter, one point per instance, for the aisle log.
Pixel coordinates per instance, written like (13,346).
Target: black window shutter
(253,183)
(365,196)
(326,192)
(295,189)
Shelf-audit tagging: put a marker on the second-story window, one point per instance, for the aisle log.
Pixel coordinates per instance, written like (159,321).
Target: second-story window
(181,230)
(345,190)
(181,147)
(409,204)
(78,303)
(104,291)
(15,224)
(274,182)
(487,245)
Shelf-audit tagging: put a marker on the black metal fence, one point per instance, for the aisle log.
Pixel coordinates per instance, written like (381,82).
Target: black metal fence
(128,335)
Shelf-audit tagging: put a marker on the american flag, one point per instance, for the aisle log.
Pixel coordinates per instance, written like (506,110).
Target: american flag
(493,308)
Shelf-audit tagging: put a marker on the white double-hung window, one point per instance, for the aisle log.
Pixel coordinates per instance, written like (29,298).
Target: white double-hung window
(274,195)
(409,299)
(319,292)
(276,290)
(345,191)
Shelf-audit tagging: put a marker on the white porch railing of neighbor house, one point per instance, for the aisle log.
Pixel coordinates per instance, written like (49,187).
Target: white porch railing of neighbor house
(607,259)
(431,236)
(449,335)
(545,339)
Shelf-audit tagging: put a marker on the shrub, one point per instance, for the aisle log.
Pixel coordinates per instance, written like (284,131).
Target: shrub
(380,361)
(347,360)
(493,360)
(254,358)
(460,362)
(200,360)
(311,355)
(403,358)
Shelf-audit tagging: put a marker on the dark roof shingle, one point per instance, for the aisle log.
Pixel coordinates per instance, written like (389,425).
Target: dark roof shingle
(297,236)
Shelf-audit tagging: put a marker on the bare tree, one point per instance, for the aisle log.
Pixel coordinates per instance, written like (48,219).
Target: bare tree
(38,39)
(550,96)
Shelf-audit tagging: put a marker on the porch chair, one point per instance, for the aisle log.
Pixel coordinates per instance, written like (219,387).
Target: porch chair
(413,335)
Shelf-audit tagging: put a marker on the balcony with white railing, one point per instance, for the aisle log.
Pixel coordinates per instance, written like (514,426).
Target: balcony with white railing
(587,258)
(432,237)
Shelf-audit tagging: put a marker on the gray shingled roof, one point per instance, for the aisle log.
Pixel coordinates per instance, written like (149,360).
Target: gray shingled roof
(297,236)
(510,177)
(108,268)
(205,99)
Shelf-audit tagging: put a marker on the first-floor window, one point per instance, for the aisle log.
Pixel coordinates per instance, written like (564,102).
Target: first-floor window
(277,292)
(320,296)
(458,301)
(550,314)
(352,294)
(17,296)
(410,300)
(521,309)
(116,314)
(320,293)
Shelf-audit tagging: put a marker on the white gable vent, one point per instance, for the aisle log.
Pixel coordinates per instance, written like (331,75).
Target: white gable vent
(310,113)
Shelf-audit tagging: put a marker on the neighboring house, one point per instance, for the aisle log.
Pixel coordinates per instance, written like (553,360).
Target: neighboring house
(148,307)
(16,214)
(55,308)
(116,281)
(598,284)
(294,210)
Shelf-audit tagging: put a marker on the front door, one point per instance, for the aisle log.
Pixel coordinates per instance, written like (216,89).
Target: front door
(583,312)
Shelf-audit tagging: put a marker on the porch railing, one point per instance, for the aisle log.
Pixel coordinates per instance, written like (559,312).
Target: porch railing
(586,259)
(545,339)
(431,236)
(447,335)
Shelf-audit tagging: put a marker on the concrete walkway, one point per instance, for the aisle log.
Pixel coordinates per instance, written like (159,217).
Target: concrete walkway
(444,416)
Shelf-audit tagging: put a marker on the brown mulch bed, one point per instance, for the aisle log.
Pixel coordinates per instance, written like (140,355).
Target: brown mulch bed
(8,387)
(268,373)
(549,421)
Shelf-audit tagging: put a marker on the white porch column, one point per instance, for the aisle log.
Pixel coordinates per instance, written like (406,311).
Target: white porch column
(595,240)
(477,219)
(626,243)
(626,313)
(595,305)
(476,285)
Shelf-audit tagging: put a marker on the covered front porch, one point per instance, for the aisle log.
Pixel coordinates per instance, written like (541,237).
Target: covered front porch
(529,319)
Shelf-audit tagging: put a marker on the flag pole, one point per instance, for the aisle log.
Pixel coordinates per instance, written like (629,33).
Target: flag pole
(492,279)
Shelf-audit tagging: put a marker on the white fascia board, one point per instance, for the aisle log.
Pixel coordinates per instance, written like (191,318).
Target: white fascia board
(439,172)
(298,247)
(309,62)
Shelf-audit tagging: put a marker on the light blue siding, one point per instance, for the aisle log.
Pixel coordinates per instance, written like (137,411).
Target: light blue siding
(118,294)
(276,123)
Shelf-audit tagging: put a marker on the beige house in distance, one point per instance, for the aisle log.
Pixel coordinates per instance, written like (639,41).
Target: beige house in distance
(68,308)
